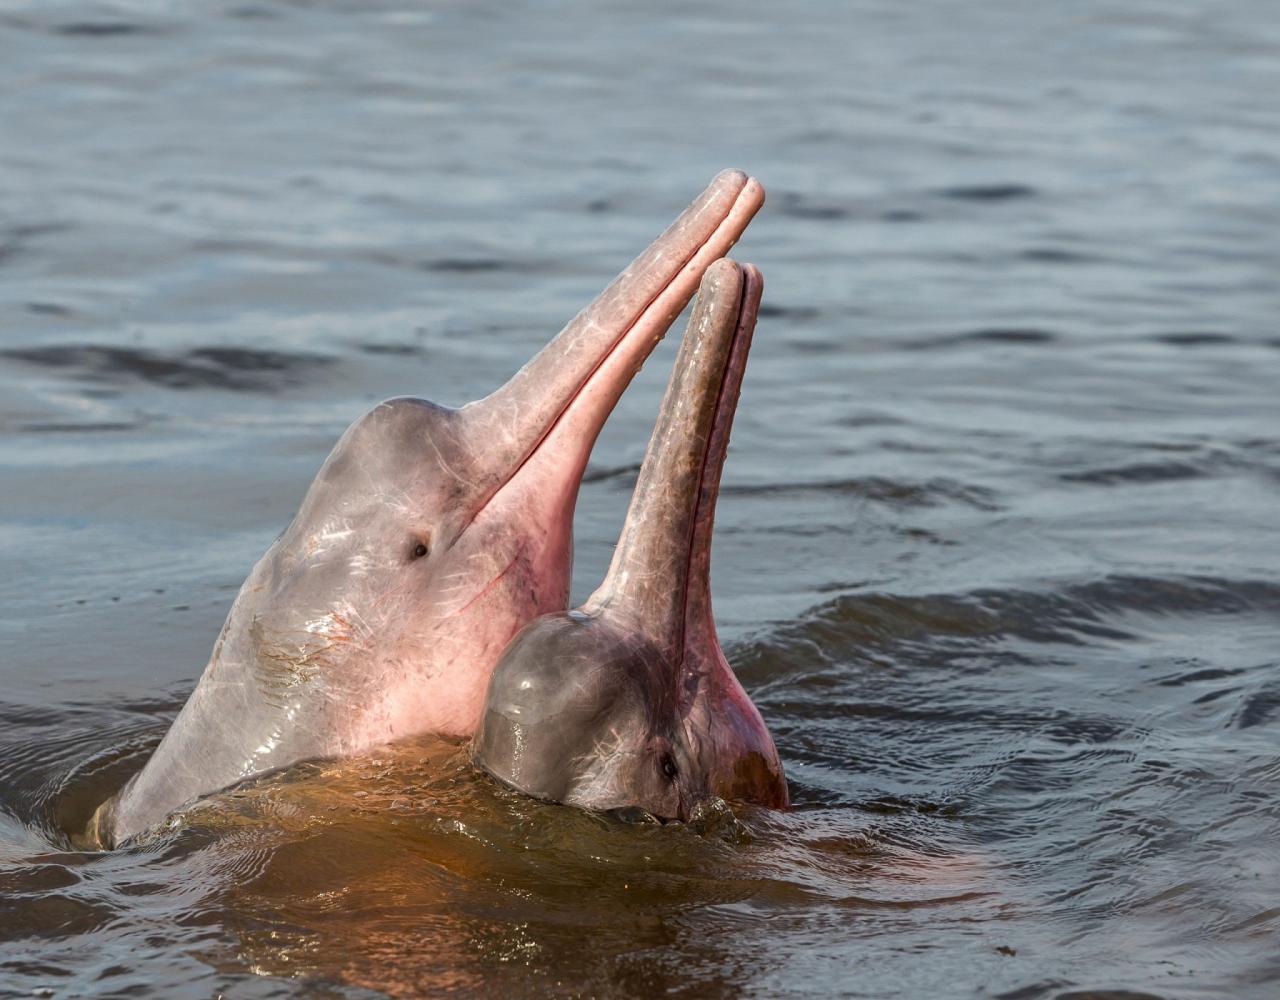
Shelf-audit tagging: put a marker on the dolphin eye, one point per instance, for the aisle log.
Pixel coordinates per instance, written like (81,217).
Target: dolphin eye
(419,550)
(669,767)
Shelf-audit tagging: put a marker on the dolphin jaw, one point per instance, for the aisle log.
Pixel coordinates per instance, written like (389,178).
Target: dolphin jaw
(581,412)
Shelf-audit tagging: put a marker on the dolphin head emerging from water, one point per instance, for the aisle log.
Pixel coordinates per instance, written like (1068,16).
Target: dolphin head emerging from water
(629,702)
(429,537)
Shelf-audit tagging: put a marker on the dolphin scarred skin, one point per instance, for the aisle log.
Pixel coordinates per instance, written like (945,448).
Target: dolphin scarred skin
(628,702)
(429,537)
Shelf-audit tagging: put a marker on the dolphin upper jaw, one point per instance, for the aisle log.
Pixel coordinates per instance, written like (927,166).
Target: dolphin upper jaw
(566,392)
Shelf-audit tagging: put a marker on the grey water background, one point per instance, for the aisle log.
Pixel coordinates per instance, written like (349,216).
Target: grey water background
(997,553)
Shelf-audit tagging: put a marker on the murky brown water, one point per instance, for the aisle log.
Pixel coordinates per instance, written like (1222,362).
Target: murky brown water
(998,554)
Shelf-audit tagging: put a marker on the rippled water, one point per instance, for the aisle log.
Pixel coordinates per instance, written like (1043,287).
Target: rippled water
(998,554)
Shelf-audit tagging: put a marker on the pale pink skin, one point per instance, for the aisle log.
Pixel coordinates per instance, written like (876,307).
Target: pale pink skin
(344,636)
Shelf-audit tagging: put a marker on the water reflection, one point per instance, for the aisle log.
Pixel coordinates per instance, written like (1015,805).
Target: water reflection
(408,869)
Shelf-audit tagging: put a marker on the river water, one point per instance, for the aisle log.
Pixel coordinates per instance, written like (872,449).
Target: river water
(997,552)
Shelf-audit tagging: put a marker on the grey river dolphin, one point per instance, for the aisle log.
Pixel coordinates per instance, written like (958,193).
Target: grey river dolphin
(429,537)
(628,702)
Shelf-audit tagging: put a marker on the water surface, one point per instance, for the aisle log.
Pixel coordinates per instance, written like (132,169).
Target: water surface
(998,554)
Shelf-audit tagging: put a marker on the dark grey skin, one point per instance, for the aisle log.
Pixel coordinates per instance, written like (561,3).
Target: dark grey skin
(628,701)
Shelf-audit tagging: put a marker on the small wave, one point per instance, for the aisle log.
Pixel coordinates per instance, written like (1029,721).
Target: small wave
(459,265)
(855,626)
(48,309)
(1258,708)
(798,206)
(54,915)
(231,368)
(1196,676)
(1056,255)
(806,209)
(902,215)
(57,766)
(101,29)
(1011,336)
(1195,461)
(462,265)
(892,492)
(16,240)
(1194,338)
(383,347)
(988,192)
(1140,472)
(79,428)
(795,314)
(623,473)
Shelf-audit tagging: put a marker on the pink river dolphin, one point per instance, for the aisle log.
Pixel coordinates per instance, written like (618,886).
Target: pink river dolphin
(428,539)
(628,702)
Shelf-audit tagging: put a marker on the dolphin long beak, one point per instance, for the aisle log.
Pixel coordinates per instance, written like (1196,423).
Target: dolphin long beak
(659,576)
(555,406)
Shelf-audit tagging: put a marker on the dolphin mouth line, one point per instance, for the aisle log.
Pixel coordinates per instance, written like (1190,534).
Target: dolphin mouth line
(491,584)
(743,196)
(717,443)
